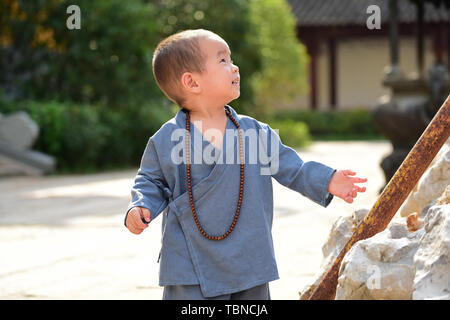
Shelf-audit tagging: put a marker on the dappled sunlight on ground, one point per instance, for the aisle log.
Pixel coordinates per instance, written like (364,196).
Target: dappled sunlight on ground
(110,188)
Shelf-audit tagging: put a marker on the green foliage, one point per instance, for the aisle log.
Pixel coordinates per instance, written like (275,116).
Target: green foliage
(86,137)
(284,59)
(345,124)
(92,90)
(107,61)
(72,133)
(292,133)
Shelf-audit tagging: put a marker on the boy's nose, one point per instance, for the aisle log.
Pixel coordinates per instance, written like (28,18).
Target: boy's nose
(235,68)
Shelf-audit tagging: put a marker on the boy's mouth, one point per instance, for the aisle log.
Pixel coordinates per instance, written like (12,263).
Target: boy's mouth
(235,81)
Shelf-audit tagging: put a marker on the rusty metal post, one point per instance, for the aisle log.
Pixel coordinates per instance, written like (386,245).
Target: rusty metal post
(393,195)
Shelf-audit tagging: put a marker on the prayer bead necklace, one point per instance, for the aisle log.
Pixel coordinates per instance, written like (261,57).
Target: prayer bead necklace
(188,173)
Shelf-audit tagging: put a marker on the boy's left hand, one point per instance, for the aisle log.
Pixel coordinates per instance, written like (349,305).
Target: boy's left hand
(343,186)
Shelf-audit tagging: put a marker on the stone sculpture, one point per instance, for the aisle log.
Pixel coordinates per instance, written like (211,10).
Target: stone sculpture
(18,132)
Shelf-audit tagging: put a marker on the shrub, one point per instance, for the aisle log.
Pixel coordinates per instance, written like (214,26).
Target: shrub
(343,124)
(131,131)
(284,59)
(87,138)
(107,61)
(292,133)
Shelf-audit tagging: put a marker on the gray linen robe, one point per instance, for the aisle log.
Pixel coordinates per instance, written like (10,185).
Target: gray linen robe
(246,257)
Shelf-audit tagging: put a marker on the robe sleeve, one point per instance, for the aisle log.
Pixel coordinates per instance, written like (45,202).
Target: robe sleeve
(310,178)
(150,188)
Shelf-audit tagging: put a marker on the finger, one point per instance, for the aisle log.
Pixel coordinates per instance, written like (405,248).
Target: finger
(145,215)
(132,227)
(349,199)
(135,231)
(141,224)
(135,221)
(349,172)
(358,180)
(363,189)
(358,189)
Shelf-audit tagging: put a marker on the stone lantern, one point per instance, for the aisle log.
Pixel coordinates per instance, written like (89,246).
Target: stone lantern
(405,112)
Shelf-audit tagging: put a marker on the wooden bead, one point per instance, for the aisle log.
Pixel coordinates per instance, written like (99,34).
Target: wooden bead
(188,174)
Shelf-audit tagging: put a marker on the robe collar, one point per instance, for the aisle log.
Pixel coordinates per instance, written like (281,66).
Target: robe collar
(180,117)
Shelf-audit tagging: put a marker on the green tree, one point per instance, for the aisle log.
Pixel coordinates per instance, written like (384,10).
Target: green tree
(284,59)
(93,89)
(107,61)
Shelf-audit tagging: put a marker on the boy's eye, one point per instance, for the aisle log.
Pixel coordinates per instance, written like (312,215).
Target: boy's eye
(224,60)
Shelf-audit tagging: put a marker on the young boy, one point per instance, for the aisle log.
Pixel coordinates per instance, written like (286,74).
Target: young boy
(217,213)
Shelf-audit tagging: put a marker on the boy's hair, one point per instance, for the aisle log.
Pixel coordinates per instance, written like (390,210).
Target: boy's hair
(175,55)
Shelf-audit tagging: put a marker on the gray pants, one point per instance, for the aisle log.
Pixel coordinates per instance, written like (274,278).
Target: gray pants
(192,292)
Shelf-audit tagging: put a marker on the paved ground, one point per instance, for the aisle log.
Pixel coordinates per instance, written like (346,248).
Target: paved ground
(62,237)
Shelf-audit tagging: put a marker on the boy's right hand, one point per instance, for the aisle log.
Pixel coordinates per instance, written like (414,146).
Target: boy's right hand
(135,219)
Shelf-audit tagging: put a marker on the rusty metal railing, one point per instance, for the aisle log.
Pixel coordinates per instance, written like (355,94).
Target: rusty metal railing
(393,195)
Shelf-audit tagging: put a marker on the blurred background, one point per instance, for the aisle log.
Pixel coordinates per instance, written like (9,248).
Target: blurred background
(91,90)
(81,101)
(92,93)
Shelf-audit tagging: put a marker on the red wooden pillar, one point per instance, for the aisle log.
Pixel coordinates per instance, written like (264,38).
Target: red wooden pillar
(312,47)
(420,37)
(332,72)
(438,43)
(448,50)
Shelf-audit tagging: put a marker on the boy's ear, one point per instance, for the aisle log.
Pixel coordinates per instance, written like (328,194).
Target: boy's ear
(189,82)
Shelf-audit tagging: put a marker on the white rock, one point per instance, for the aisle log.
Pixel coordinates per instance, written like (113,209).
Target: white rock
(432,259)
(18,130)
(431,184)
(380,267)
(339,235)
(395,263)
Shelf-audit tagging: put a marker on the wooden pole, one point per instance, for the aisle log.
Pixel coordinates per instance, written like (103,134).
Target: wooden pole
(332,67)
(393,195)
(393,32)
(420,36)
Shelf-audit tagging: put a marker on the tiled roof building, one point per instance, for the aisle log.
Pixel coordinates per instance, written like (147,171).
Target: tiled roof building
(348,12)
(347,58)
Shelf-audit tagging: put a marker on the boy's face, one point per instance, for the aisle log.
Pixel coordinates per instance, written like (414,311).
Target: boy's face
(220,80)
